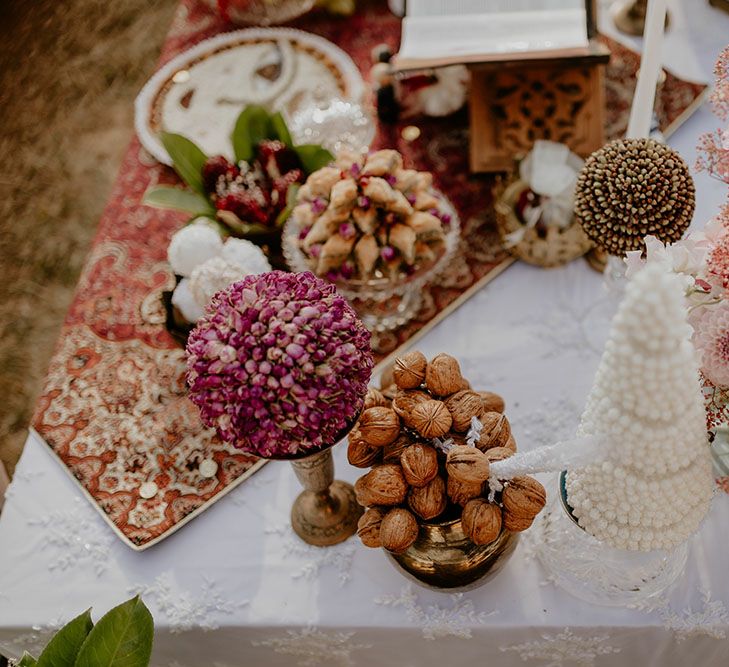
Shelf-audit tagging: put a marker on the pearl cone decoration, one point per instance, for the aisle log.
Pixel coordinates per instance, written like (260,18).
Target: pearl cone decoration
(655,484)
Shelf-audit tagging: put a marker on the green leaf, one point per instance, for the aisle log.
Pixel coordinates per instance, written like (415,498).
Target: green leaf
(290,203)
(187,159)
(281,130)
(168,196)
(61,651)
(252,127)
(122,638)
(313,157)
(27,661)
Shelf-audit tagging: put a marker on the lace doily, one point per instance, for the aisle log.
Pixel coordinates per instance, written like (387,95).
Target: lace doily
(314,648)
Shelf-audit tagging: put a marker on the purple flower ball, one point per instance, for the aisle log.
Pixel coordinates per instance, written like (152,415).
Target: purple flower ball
(279,364)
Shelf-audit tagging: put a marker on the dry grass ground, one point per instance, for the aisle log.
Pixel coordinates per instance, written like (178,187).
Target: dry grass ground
(69,72)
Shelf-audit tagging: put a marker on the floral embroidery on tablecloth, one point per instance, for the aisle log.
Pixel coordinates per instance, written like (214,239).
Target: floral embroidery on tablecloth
(434,620)
(184,611)
(21,477)
(562,649)
(75,537)
(554,420)
(314,647)
(307,561)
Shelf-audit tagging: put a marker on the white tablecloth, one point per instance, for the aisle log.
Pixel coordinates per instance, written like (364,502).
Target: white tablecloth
(236,588)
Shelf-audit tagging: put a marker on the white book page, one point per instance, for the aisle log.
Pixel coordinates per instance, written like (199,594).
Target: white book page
(453,36)
(460,7)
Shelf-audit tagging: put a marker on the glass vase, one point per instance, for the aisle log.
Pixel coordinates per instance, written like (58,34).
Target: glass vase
(596,572)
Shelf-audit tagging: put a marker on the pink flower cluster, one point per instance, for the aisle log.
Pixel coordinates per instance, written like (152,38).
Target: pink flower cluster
(711,339)
(279,364)
(714,146)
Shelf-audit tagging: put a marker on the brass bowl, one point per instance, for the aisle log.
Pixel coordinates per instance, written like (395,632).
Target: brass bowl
(443,557)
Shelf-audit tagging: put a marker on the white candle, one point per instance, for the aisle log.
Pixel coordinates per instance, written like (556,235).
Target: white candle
(641,112)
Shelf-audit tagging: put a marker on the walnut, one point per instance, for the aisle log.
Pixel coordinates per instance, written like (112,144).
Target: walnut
(496,431)
(431,419)
(481,521)
(390,391)
(515,524)
(498,454)
(379,426)
(467,464)
(405,402)
(523,497)
(461,492)
(391,453)
(443,375)
(419,464)
(430,500)
(409,370)
(511,444)
(374,398)
(491,402)
(398,530)
(368,527)
(386,378)
(463,405)
(383,485)
(361,454)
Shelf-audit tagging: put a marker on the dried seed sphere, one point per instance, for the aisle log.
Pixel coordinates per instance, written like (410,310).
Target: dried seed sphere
(443,375)
(368,527)
(467,464)
(379,426)
(398,530)
(429,501)
(419,464)
(431,419)
(631,188)
(383,485)
(409,370)
(481,521)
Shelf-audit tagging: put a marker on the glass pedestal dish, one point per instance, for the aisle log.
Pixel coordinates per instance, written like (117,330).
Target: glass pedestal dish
(596,572)
(383,303)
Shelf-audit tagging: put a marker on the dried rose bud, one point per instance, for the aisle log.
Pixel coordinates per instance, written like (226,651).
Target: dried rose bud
(398,530)
(467,464)
(443,375)
(419,464)
(383,485)
(496,431)
(431,419)
(409,370)
(374,398)
(461,492)
(523,497)
(429,501)
(379,426)
(492,402)
(368,527)
(481,521)
(463,405)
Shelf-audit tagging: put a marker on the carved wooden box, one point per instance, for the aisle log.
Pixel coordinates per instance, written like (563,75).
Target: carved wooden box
(512,104)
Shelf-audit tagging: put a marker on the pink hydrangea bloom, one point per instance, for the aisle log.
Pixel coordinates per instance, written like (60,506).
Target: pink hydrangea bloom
(279,364)
(711,339)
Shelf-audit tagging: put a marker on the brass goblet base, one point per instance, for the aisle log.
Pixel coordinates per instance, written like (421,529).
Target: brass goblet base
(326,512)
(326,518)
(629,16)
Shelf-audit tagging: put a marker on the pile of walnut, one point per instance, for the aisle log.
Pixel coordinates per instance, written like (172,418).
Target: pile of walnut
(412,480)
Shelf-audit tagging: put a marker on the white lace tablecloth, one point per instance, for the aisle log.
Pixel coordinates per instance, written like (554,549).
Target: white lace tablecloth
(236,587)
